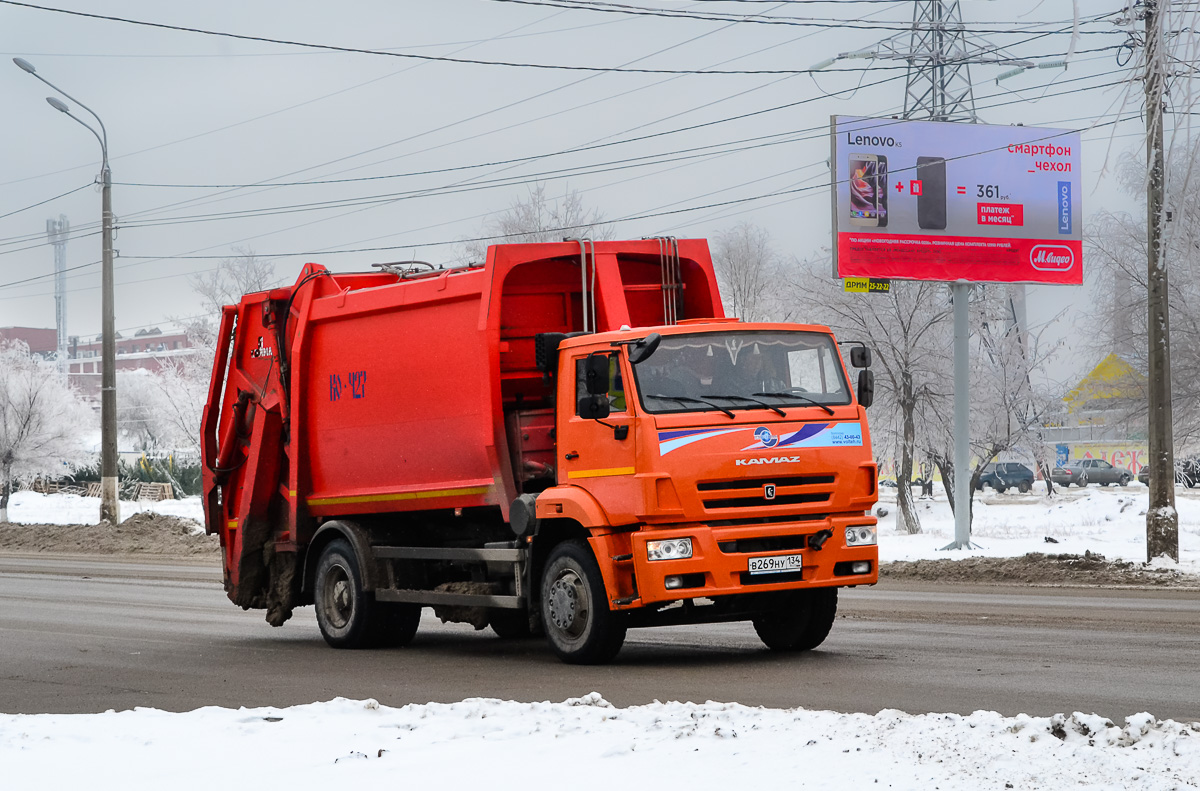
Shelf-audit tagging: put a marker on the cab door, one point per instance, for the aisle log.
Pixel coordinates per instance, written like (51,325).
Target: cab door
(599,454)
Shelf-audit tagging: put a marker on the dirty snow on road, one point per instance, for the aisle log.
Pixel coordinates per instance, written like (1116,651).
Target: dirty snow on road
(585,743)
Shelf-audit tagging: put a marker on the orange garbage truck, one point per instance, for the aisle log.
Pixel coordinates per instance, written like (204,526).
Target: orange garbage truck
(570,439)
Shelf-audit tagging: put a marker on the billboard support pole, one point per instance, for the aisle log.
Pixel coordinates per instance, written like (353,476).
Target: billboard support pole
(959,291)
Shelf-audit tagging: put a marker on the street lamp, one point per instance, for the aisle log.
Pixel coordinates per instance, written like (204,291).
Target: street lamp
(110,509)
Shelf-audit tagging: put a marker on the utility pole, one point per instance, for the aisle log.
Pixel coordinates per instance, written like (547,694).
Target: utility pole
(110,505)
(1162,520)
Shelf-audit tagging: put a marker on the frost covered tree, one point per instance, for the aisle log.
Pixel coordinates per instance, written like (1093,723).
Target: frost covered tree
(42,421)
(1116,248)
(538,217)
(749,272)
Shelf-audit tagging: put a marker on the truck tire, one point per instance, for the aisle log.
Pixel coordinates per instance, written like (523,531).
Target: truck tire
(580,627)
(801,624)
(348,616)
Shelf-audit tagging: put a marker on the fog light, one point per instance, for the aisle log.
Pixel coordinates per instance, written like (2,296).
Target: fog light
(861,567)
(671,549)
(674,581)
(860,536)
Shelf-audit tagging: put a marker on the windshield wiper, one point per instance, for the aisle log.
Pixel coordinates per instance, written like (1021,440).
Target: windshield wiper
(763,404)
(692,400)
(797,395)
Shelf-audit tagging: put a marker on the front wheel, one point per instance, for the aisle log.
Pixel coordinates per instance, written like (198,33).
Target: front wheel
(581,628)
(1024,487)
(348,615)
(801,624)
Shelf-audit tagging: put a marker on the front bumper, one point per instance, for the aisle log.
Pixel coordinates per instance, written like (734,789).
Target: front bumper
(721,554)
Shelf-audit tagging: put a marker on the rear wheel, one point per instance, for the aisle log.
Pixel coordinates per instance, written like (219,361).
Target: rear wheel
(801,624)
(1024,487)
(581,628)
(348,615)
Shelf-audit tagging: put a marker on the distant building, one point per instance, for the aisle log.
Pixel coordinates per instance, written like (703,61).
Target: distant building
(42,342)
(1105,416)
(148,349)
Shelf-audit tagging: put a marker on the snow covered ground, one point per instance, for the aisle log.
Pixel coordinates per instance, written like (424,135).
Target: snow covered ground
(584,743)
(1110,521)
(31,508)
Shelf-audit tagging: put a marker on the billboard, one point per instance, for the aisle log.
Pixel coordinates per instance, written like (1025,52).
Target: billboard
(930,200)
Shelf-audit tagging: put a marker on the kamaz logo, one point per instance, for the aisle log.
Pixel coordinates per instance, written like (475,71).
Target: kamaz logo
(767,460)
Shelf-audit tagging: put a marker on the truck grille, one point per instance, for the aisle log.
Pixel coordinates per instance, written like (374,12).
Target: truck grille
(791,490)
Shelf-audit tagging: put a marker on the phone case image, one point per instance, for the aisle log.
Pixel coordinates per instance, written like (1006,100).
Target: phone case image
(881,193)
(931,203)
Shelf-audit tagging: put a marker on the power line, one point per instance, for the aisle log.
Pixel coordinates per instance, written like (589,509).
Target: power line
(48,200)
(618,8)
(433,58)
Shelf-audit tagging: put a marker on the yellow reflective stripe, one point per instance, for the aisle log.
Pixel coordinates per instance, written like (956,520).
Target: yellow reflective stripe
(232,523)
(602,473)
(384,498)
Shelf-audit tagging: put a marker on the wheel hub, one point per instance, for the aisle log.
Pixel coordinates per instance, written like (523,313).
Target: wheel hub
(568,604)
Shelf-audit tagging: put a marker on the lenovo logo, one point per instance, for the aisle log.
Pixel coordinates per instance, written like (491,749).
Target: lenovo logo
(1052,257)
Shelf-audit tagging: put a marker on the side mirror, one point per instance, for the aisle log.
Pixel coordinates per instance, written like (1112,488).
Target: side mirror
(595,374)
(866,388)
(641,351)
(593,407)
(860,357)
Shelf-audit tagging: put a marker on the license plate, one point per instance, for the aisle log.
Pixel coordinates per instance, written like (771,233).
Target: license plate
(775,564)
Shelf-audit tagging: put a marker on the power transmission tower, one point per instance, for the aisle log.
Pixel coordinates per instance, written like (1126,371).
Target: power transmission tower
(938,86)
(56,232)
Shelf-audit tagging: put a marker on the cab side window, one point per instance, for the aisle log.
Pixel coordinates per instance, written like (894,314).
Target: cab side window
(616,384)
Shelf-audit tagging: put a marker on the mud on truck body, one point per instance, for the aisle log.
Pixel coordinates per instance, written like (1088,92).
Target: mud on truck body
(570,438)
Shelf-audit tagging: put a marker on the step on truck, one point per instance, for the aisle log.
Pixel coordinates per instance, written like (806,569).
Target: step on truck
(570,439)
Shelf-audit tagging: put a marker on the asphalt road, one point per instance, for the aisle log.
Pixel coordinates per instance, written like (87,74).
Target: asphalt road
(86,635)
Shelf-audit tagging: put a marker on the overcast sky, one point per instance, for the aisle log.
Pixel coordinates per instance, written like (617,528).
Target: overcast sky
(187,108)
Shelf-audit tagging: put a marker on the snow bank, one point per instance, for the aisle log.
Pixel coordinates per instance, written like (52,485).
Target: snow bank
(1110,521)
(585,743)
(31,508)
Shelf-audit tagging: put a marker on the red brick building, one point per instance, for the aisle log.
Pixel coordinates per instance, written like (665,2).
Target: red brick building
(148,348)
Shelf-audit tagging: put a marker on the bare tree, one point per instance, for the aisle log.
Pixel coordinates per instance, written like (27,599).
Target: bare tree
(749,273)
(1116,244)
(907,328)
(539,218)
(42,421)
(242,274)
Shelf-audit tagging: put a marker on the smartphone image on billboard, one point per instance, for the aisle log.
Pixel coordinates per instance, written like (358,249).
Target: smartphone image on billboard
(881,194)
(864,190)
(931,203)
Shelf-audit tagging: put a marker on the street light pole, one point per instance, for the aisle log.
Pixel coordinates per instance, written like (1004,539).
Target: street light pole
(110,507)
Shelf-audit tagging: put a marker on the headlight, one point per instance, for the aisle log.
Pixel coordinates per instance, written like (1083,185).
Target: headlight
(861,536)
(671,549)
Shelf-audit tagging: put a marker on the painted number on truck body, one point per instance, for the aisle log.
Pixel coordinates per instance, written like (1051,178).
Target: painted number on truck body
(354,385)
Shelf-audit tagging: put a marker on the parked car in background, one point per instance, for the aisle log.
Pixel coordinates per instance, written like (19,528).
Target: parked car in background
(1187,472)
(1073,472)
(1085,471)
(1000,475)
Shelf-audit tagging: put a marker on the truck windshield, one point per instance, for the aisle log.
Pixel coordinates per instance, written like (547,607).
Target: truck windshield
(734,370)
